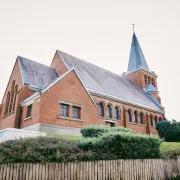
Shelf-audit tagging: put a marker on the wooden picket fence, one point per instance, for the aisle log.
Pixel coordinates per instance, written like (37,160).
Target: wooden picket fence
(147,169)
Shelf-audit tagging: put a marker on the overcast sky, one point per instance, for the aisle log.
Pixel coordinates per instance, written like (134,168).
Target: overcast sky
(98,31)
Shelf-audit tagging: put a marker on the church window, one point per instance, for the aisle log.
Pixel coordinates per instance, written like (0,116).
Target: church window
(141,118)
(116,113)
(151,120)
(129,116)
(153,82)
(12,97)
(76,112)
(15,95)
(64,110)
(29,111)
(155,120)
(7,104)
(109,111)
(101,110)
(145,79)
(135,117)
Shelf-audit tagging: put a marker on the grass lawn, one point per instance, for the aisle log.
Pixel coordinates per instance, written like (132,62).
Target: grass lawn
(170,149)
(63,136)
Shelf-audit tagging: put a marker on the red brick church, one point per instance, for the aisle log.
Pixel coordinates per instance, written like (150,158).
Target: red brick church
(72,93)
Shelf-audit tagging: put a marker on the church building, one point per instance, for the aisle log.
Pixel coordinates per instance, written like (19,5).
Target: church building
(72,93)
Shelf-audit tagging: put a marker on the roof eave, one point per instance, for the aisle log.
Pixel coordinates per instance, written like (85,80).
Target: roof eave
(140,69)
(124,101)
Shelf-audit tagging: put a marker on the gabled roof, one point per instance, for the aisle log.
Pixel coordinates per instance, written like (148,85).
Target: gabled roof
(46,87)
(151,88)
(136,58)
(36,74)
(97,79)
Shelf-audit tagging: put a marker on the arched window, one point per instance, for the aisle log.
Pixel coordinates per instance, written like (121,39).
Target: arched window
(160,118)
(12,97)
(141,118)
(149,80)
(116,113)
(135,117)
(109,111)
(155,120)
(129,116)
(151,120)
(153,82)
(15,95)
(145,79)
(101,109)
(7,103)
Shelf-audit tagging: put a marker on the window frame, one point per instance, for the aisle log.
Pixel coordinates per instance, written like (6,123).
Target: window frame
(109,111)
(145,79)
(64,111)
(29,113)
(117,113)
(129,116)
(135,117)
(151,121)
(101,109)
(141,117)
(79,112)
(8,98)
(155,120)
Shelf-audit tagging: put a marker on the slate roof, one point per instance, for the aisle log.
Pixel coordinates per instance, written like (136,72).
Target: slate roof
(136,58)
(36,74)
(101,80)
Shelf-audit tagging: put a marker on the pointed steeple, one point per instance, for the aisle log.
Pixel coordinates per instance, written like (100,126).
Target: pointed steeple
(136,59)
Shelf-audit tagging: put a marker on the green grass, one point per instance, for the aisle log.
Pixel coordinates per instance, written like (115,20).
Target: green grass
(63,136)
(170,149)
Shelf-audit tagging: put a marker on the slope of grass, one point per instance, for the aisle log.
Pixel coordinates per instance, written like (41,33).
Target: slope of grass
(170,149)
(63,136)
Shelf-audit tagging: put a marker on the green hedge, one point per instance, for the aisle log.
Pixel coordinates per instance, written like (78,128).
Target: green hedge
(120,145)
(40,149)
(111,145)
(169,131)
(98,130)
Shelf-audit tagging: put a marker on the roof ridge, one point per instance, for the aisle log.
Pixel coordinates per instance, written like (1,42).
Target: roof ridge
(94,65)
(35,62)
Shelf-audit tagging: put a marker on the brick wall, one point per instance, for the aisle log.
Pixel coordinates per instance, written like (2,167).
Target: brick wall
(46,108)
(12,119)
(138,78)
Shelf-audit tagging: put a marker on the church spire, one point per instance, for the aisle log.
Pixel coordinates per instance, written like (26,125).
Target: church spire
(136,59)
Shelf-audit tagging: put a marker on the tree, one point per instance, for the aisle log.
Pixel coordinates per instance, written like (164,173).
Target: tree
(169,131)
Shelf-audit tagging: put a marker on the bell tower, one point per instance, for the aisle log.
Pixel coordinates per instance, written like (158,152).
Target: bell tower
(139,71)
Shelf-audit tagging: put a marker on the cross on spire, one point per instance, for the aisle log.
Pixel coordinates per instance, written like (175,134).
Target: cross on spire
(133,26)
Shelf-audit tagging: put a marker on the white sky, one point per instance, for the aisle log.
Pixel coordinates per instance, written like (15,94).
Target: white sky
(98,31)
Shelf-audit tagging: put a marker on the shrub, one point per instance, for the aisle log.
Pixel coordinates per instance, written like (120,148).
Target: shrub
(98,130)
(170,150)
(169,131)
(119,145)
(39,149)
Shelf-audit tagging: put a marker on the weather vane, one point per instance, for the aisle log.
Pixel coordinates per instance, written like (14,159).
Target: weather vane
(133,27)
